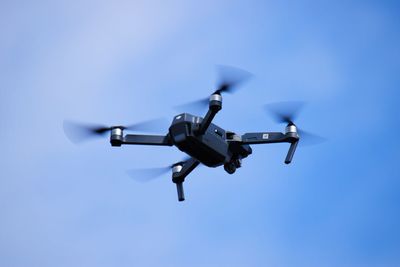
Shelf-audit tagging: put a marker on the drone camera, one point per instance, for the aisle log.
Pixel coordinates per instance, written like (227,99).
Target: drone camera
(116,136)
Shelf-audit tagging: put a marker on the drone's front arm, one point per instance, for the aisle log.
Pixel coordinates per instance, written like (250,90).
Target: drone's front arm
(215,105)
(155,140)
(179,173)
(264,138)
(274,137)
(117,139)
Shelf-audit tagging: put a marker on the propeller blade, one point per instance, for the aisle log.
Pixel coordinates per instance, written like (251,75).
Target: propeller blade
(197,106)
(309,139)
(78,132)
(229,80)
(149,126)
(285,112)
(148,174)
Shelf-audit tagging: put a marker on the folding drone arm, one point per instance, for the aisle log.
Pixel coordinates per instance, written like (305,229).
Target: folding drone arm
(117,139)
(179,173)
(155,140)
(215,105)
(290,136)
(264,138)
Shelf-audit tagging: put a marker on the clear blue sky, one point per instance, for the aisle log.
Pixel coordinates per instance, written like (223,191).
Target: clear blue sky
(119,62)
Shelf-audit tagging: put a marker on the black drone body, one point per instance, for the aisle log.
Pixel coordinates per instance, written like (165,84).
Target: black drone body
(203,141)
(206,142)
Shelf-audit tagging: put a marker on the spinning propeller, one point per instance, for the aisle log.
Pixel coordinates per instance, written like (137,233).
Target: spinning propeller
(80,132)
(148,174)
(287,112)
(229,80)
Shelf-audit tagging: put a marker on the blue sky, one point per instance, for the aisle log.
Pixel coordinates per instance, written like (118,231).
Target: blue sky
(127,61)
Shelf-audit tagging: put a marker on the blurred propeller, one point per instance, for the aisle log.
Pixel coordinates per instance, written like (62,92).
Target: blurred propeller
(287,112)
(79,132)
(309,139)
(229,80)
(148,174)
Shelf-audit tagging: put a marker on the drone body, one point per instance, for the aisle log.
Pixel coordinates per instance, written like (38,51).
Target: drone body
(206,142)
(203,141)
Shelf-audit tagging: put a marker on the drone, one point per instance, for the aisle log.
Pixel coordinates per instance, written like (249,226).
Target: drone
(203,141)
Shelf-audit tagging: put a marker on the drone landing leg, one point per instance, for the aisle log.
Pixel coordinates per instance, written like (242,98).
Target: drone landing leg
(291,151)
(179,189)
(179,174)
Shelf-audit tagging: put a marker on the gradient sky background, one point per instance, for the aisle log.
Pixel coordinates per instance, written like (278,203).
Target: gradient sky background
(119,62)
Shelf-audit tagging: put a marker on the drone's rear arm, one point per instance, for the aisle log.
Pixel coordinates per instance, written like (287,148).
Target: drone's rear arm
(180,171)
(273,137)
(264,138)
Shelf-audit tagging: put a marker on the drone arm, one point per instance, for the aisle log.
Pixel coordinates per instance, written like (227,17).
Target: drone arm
(188,167)
(135,139)
(215,105)
(264,138)
(178,176)
(206,121)
(273,137)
